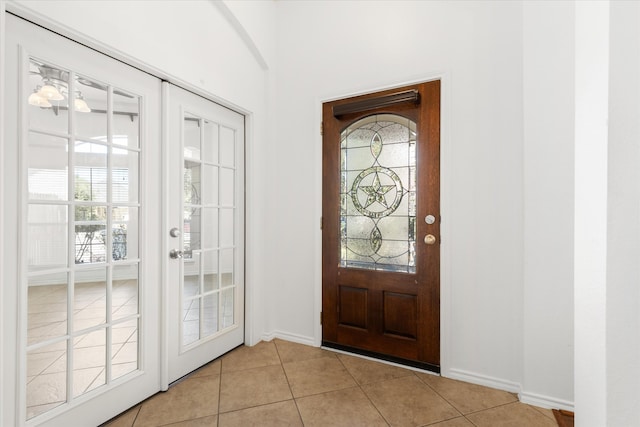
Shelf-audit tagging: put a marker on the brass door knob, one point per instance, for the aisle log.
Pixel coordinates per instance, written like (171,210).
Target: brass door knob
(429,239)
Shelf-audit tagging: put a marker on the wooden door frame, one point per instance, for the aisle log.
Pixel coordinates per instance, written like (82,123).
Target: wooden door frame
(445,209)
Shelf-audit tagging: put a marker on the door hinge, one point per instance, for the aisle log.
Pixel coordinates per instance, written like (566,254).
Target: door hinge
(321,318)
(321,128)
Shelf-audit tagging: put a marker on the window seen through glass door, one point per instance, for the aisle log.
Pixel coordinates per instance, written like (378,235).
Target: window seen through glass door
(82,234)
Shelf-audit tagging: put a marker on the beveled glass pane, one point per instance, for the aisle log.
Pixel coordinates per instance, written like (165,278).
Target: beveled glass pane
(210,270)
(48,167)
(126,119)
(124,291)
(210,315)
(192,183)
(89,362)
(227,307)
(210,143)
(124,175)
(226,227)
(90,234)
(47,236)
(191,322)
(209,228)
(90,171)
(359,158)
(90,298)
(46,378)
(378,188)
(191,275)
(210,185)
(90,106)
(394,228)
(191,137)
(125,342)
(227,187)
(47,307)
(394,155)
(226,267)
(227,147)
(48,99)
(192,234)
(124,233)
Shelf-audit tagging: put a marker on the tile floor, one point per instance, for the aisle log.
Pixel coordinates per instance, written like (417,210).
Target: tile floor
(47,335)
(280,383)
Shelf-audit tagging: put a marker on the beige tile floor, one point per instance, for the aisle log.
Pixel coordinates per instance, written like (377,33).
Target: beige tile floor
(280,383)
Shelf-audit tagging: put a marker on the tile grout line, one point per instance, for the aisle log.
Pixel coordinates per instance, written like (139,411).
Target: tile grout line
(450,403)
(219,391)
(362,390)
(295,402)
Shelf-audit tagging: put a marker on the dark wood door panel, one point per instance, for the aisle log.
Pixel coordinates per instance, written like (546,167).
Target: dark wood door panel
(377,298)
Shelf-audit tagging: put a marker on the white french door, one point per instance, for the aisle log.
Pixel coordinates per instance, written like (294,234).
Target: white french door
(204,240)
(82,283)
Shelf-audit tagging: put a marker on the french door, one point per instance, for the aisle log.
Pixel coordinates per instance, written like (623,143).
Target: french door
(205,230)
(381,225)
(80,309)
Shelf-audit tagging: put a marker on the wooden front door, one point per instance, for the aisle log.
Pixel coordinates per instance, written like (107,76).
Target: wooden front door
(381,225)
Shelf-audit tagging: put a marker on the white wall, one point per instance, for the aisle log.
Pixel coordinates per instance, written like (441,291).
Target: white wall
(507,175)
(623,243)
(548,81)
(332,49)
(198,44)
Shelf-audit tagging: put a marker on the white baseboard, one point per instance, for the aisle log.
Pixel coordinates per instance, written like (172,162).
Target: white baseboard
(545,401)
(300,339)
(524,397)
(474,378)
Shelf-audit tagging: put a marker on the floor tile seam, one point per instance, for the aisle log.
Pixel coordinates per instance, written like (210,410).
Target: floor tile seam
(448,419)
(139,405)
(374,405)
(219,388)
(494,407)
(439,395)
(252,406)
(348,371)
(286,377)
(324,392)
(255,406)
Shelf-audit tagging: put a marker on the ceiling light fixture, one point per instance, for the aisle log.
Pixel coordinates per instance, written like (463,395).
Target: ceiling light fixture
(38,100)
(80,104)
(55,87)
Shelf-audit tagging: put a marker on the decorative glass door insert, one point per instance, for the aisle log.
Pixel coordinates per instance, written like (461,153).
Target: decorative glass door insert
(378,194)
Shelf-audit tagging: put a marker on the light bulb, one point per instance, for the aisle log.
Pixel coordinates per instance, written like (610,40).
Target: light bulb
(80,105)
(38,101)
(50,92)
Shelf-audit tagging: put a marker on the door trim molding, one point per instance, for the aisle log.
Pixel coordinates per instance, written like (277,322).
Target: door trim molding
(446,168)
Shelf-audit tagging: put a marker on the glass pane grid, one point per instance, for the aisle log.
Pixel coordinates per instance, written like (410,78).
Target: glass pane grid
(208,237)
(82,310)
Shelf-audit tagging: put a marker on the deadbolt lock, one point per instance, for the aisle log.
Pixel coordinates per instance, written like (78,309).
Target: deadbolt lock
(429,239)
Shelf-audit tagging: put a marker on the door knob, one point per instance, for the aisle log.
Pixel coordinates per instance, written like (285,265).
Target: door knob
(175,254)
(429,239)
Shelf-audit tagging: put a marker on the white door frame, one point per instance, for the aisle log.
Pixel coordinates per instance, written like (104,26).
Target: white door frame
(174,100)
(250,269)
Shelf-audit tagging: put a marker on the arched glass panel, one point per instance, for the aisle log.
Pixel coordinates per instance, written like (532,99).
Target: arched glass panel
(378,194)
